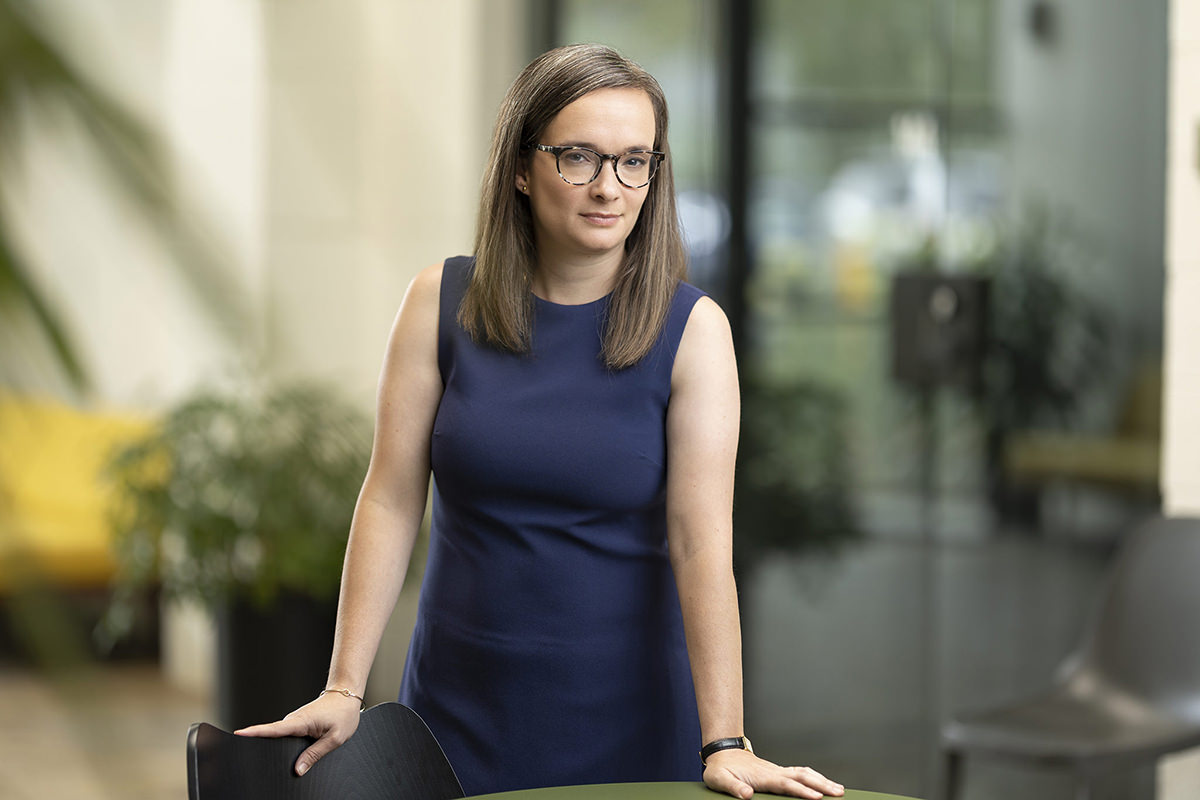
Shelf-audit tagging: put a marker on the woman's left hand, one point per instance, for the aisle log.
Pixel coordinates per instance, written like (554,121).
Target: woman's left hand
(740,773)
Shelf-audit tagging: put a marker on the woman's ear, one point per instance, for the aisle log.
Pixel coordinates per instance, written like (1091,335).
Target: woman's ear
(522,179)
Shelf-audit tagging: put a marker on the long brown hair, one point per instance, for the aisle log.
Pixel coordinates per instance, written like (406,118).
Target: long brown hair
(498,305)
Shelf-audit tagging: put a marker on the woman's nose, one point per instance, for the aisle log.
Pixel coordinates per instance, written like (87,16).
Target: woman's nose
(606,183)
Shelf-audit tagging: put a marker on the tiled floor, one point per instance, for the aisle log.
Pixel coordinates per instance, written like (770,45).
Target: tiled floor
(111,733)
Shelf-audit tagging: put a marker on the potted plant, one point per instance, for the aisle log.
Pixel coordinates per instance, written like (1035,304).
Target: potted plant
(793,488)
(243,502)
(1050,347)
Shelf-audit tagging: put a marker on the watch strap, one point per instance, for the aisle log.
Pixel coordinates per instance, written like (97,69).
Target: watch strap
(732,743)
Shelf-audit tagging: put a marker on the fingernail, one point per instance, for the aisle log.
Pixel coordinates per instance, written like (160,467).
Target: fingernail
(301,768)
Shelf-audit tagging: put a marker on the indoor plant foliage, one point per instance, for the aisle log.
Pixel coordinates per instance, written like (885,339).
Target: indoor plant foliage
(1051,341)
(793,486)
(241,497)
(1051,346)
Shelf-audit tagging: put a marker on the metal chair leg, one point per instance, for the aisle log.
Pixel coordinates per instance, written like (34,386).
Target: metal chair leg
(1083,789)
(952,764)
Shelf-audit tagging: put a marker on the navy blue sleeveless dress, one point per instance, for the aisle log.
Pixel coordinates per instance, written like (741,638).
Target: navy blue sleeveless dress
(549,646)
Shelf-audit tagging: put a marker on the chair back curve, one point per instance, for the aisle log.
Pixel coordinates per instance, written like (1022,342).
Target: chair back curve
(1143,639)
(392,755)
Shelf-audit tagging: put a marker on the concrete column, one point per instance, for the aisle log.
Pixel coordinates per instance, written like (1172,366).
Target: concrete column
(1181,461)
(1179,776)
(214,122)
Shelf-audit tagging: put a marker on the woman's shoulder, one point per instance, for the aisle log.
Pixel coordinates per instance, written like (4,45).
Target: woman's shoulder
(453,273)
(707,316)
(415,327)
(426,286)
(691,308)
(705,348)
(697,308)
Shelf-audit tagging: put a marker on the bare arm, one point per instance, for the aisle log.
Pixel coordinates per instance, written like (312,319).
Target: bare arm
(702,434)
(391,504)
(387,519)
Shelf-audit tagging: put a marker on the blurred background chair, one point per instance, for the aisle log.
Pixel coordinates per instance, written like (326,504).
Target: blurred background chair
(392,755)
(1129,693)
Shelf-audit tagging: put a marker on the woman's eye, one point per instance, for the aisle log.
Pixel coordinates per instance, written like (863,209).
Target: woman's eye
(575,157)
(634,162)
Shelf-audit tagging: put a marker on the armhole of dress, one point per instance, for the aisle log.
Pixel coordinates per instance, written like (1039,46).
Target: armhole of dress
(682,307)
(449,299)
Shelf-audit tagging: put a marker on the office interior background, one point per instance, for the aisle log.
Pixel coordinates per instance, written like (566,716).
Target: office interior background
(914,540)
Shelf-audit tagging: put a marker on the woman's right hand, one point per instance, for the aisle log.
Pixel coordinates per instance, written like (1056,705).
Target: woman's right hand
(331,719)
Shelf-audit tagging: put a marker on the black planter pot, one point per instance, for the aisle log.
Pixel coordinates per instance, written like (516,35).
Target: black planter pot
(1013,505)
(271,660)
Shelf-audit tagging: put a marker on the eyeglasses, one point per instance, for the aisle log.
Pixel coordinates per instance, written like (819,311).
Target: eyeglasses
(581,165)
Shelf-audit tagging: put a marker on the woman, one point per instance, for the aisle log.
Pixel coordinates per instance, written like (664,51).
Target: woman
(578,406)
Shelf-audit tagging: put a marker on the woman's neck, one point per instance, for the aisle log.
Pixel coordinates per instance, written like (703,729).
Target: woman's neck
(576,281)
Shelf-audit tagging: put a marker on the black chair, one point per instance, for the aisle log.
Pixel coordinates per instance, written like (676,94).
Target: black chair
(391,755)
(1129,693)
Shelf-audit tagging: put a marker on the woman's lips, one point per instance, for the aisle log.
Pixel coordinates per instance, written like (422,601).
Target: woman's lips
(604,220)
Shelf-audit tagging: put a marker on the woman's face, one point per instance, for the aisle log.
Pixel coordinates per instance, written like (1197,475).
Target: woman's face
(590,221)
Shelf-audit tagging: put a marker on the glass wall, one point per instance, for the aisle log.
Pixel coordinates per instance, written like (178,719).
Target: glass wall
(952,223)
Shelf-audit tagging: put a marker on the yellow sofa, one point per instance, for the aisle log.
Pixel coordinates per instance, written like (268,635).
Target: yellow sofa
(53,500)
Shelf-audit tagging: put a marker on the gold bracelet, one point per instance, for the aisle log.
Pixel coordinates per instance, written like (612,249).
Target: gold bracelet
(345,693)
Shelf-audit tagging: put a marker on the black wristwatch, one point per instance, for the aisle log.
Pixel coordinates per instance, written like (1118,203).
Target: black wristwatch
(736,742)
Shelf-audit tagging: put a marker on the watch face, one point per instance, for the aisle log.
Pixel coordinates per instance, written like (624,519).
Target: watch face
(746,741)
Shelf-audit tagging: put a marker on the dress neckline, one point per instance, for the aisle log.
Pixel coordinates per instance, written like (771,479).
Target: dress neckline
(540,301)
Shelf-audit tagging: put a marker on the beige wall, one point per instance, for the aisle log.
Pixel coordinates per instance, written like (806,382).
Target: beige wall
(1179,777)
(135,322)
(377,119)
(333,148)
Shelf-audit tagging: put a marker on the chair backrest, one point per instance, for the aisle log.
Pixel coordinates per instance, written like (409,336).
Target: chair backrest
(392,755)
(1145,636)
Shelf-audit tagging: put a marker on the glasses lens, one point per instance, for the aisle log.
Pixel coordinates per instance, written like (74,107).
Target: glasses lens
(578,165)
(636,169)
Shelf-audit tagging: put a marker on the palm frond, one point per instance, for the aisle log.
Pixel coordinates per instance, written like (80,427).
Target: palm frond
(37,79)
(19,294)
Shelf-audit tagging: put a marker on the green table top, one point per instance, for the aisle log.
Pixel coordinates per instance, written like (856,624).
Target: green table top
(649,791)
